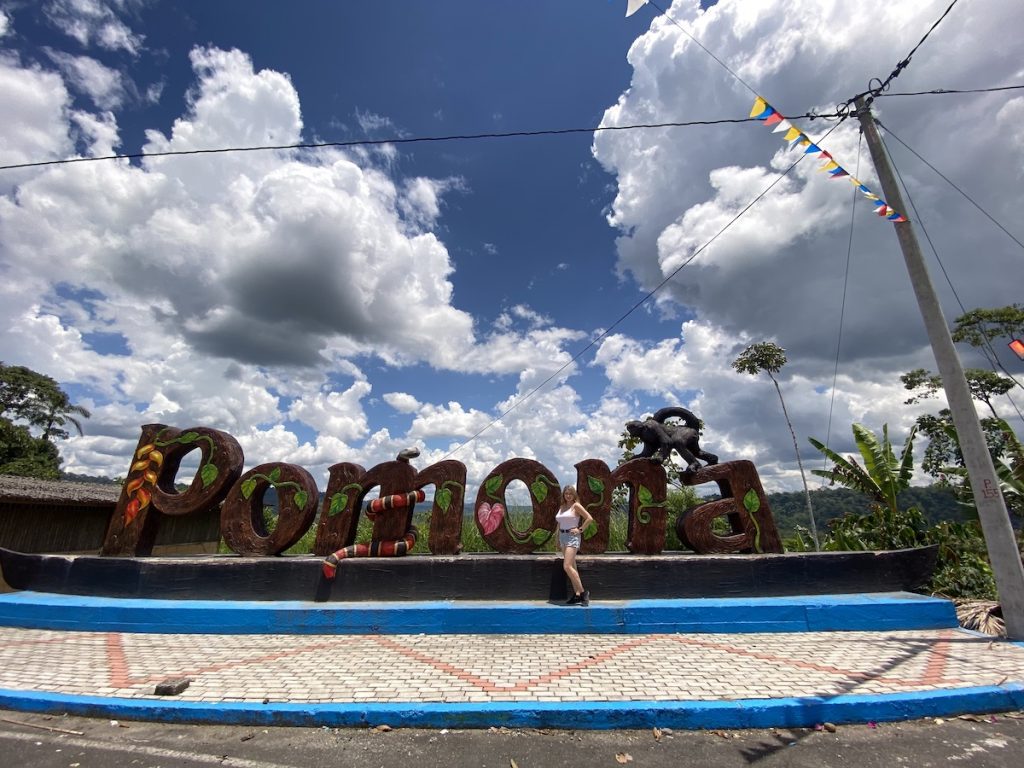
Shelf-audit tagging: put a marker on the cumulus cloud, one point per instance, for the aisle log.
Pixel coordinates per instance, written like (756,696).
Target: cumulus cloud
(238,290)
(402,402)
(781,266)
(779,270)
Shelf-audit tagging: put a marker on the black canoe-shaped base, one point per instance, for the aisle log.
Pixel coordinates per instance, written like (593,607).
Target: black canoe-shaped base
(470,577)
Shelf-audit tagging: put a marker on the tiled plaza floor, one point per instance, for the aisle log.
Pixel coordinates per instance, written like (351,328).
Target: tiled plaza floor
(503,668)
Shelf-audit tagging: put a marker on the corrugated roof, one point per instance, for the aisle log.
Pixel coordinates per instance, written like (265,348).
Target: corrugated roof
(29,489)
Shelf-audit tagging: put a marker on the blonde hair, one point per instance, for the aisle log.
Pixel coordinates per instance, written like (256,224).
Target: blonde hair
(572,488)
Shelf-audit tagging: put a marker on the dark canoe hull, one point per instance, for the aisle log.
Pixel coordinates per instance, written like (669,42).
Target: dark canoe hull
(470,577)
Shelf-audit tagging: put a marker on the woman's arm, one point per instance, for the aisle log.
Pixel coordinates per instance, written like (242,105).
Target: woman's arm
(585,518)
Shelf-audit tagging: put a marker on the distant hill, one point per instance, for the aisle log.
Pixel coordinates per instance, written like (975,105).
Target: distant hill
(72,477)
(790,508)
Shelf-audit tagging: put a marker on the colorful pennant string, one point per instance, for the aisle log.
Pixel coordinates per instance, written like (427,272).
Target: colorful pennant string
(764,112)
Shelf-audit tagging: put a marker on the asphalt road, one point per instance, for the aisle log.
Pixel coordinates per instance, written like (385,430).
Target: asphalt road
(45,741)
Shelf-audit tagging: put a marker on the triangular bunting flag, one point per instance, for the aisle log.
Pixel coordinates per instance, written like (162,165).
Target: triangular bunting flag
(764,112)
(633,6)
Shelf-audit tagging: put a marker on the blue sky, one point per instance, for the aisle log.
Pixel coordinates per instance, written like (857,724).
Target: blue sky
(338,305)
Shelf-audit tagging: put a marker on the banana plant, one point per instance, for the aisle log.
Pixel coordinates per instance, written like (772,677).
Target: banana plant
(882,477)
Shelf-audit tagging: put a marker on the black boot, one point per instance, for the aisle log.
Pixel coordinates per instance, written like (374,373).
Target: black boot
(574,600)
(585,597)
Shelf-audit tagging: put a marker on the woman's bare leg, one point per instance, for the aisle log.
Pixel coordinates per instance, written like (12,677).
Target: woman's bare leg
(569,564)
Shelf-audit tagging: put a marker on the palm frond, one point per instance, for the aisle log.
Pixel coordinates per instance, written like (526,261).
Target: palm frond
(846,472)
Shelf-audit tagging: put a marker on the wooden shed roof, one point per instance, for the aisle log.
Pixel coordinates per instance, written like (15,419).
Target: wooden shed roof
(29,490)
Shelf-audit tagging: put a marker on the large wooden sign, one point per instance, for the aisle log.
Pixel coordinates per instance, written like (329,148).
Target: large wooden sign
(149,492)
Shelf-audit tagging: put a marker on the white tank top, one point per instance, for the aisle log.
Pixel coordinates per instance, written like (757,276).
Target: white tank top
(567,518)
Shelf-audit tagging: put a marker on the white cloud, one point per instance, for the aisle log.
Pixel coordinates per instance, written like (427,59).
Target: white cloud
(98,132)
(95,22)
(35,114)
(334,414)
(402,402)
(1010,119)
(5,24)
(100,83)
(235,283)
(420,201)
(450,420)
(371,122)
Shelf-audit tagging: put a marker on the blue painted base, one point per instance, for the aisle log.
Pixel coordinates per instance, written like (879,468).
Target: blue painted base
(744,713)
(818,613)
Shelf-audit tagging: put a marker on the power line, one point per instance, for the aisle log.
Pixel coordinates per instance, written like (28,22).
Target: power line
(842,308)
(945,91)
(392,140)
(702,47)
(810,115)
(883,85)
(951,183)
(987,350)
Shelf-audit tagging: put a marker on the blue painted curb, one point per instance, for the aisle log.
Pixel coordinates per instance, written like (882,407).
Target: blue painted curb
(802,712)
(818,613)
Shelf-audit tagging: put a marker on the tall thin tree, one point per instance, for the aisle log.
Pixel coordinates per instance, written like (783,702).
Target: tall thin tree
(769,358)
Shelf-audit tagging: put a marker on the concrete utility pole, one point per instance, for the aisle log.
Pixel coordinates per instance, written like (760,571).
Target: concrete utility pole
(995,521)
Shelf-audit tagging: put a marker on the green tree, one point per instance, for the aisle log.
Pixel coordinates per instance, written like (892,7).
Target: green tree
(57,412)
(980,326)
(984,385)
(31,400)
(943,449)
(24,455)
(769,358)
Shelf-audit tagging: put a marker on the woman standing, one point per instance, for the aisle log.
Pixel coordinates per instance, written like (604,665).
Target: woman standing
(572,518)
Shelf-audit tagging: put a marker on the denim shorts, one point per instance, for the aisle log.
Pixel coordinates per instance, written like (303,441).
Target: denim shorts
(566,539)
